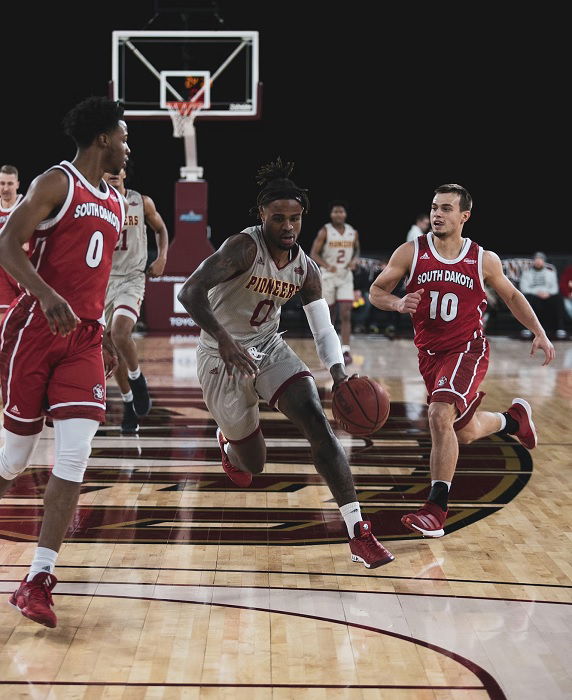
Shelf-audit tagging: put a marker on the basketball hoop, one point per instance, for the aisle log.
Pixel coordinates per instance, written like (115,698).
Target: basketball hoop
(183,115)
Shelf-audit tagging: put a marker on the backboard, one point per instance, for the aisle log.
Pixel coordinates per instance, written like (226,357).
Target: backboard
(150,68)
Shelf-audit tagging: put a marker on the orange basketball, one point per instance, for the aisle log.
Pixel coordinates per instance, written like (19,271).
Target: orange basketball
(360,406)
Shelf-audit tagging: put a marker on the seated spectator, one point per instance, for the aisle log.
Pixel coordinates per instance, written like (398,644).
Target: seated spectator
(539,284)
(566,289)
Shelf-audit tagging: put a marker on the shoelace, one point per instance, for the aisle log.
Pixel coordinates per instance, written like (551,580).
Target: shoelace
(41,592)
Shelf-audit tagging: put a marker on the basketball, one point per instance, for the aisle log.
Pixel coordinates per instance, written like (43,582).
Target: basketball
(360,406)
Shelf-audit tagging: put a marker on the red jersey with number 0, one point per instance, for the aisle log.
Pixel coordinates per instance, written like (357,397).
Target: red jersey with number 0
(453,302)
(73,251)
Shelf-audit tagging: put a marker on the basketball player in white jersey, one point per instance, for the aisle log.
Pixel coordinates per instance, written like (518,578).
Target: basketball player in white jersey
(125,293)
(336,249)
(235,297)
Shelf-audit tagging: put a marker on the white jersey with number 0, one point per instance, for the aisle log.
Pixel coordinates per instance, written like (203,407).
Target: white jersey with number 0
(248,304)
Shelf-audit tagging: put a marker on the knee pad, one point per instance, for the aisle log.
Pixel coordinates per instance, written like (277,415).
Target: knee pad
(73,438)
(16,453)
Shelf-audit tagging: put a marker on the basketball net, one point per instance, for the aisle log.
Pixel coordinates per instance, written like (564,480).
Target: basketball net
(183,117)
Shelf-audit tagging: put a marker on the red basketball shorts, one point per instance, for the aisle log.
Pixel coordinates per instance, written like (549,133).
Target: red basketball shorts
(45,374)
(9,290)
(454,377)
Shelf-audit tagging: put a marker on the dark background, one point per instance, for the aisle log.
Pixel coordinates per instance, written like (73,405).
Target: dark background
(376,105)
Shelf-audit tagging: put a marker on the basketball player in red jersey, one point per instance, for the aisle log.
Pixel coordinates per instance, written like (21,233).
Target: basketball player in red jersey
(51,359)
(9,198)
(445,279)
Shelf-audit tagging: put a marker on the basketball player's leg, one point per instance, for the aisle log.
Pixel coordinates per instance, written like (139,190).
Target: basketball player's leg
(483,423)
(24,374)
(345,322)
(126,295)
(329,293)
(444,444)
(285,382)
(73,437)
(300,403)
(345,298)
(121,330)
(452,381)
(76,400)
(15,456)
(233,403)
(72,449)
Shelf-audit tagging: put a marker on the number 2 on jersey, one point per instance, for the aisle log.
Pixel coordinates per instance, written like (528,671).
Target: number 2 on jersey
(449,306)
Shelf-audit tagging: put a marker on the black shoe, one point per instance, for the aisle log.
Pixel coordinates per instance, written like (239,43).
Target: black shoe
(129,424)
(141,398)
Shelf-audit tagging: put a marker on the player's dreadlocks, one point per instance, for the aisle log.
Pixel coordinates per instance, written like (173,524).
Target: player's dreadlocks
(90,118)
(274,179)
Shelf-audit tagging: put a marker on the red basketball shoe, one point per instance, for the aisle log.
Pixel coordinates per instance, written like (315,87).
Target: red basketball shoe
(240,478)
(34,599)
(522,413)
(428,520)
(366,548)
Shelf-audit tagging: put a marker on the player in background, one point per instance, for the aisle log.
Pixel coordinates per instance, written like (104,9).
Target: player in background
(235,297)
(445,295)
(9,199)
(125,293)
(53,356)
(336,249)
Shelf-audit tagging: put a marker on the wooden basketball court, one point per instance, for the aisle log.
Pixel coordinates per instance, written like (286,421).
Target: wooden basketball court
(174,583)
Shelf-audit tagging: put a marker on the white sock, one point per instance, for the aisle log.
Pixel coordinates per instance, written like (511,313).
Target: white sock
(351,513)
(135,374)
(434,481)
(502,422)
(44,560)
(345,348)
(128,397)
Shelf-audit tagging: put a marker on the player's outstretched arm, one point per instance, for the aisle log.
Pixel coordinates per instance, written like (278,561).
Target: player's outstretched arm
(234,256)
(517,304)
(155,221)
(43,199)
(380,292)
(318,313)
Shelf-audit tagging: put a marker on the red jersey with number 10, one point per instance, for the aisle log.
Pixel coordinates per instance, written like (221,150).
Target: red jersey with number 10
(73,251)
(453,302)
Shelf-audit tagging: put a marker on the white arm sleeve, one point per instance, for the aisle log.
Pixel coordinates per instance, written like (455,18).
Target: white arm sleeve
(325,336)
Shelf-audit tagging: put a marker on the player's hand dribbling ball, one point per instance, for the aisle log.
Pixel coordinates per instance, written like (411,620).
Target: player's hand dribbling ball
(360,406)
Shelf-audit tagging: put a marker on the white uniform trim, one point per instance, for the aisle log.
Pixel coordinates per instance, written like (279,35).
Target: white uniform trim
(445,261)
(414,261)
(77,403)
(125,312)
(22,420)
(14,352)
